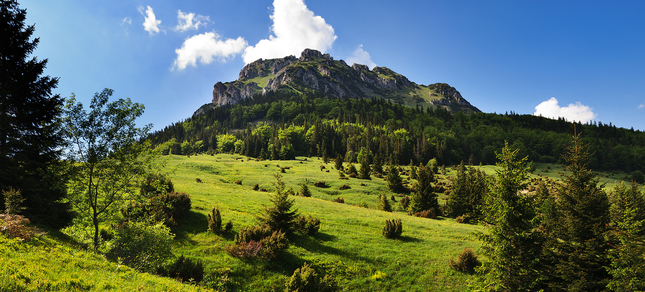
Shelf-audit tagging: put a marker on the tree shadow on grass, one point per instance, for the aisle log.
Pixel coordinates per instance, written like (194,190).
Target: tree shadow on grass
(193,223)
(409,239)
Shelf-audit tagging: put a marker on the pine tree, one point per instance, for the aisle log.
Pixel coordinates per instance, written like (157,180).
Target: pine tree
(384,203)
(393,179)
(424,197)
(338,162)
(511,244)
(364,172)
(30,128)
(467,192)
(279,217)
(580,248)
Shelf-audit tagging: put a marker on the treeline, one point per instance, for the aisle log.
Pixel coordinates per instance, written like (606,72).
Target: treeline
(282,125)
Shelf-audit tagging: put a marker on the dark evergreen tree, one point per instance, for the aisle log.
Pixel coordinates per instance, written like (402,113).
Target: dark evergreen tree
(338,162)
(364,172)
(384,203)
(512,245)
(393,179)
(467,192)
(280,216)
(424,198)
(30,128)
(578,241)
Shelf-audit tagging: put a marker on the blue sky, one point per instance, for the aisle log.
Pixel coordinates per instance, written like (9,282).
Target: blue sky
(584,60)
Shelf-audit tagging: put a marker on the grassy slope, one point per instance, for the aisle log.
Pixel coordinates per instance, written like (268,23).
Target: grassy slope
(45,264)
(349,244)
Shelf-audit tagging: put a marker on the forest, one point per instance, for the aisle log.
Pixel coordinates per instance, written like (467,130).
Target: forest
(282,125)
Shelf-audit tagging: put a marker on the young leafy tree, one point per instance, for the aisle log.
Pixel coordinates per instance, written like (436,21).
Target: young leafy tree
(108,160)
(424,198)
(30,128)
(581,246)
(511,244)
(280,216)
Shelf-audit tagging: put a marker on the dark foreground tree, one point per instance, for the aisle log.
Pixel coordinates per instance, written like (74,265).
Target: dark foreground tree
(108,160)
(30,136)
(579,241)
(512,245)
(424,198)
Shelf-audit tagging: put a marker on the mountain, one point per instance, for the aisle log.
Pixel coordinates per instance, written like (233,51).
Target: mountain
(317,72)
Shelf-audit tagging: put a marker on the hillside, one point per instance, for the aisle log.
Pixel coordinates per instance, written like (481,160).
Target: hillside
(314,72)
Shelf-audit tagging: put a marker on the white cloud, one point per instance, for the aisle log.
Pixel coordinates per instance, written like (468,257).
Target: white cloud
(127,20)
(641,106)
(187,21)
(361,57)
(572,112)
(206,47)
(294,29)
(150,24)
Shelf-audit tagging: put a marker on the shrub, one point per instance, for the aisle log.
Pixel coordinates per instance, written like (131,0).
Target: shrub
(306,225)
(184,269)
(393,228)
(320,184)
(17,226)
(384,204)
(405,202)
(156,184)
(198,180)
(304,190)
(238,182)
(351,170)
(344,187)
(13,201)
(307,279)
(353,175)
(463,219)
(244,249)
(272,246)
(426,214)
(229,226)
(252,233)
(140,246)
(339,200)
(638,176)
(215,221)
(256,187)
(466,261)
(169,207)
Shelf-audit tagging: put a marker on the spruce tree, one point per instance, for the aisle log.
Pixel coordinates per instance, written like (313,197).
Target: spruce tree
(424,198)
(30,128)
(580,248)
(364,172)
(511,245)
(393,179)
(467,192)
(280,216)
(338,162)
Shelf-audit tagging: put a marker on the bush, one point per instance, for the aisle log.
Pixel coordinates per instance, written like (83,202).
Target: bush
(344,187)
(17,226)
(13,201)
(393,228)
(140,246)
(272,246)
(156,184)
(170,207)
(238,182)
(185,269)
(256,187)
(463,219)
(638,176)
(307,279)
(215,221)
(466,261)
(252,233)
(198,180)
(258,241)
(351,170)
(405,202)
(320,184)
(339,200)
(426,214)
(229,226)
(307,225)
(244,249)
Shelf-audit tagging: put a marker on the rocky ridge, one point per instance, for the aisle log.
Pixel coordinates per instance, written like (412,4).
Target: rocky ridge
(320,72)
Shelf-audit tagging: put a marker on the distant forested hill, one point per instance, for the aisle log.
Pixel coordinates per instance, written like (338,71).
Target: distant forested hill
(281,125)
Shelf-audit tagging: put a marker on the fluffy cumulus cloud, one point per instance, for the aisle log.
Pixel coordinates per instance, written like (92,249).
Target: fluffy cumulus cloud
(572,112)
(294,29)
(207,47)
(188,21)
(360,56)
(150,24)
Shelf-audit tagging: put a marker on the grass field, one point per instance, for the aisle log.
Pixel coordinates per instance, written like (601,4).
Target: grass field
(349,245)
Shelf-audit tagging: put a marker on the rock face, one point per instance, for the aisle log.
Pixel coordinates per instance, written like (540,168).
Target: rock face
(320,72)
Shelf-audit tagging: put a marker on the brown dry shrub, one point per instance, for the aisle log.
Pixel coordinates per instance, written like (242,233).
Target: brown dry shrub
(344,187)
(17,226)
(339,200)
(426,214)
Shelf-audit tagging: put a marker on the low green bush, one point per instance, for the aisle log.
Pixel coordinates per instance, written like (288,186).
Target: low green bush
(466,261)
(140,246)
(306,225)
(393,228)
(185,269)
(306,278)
